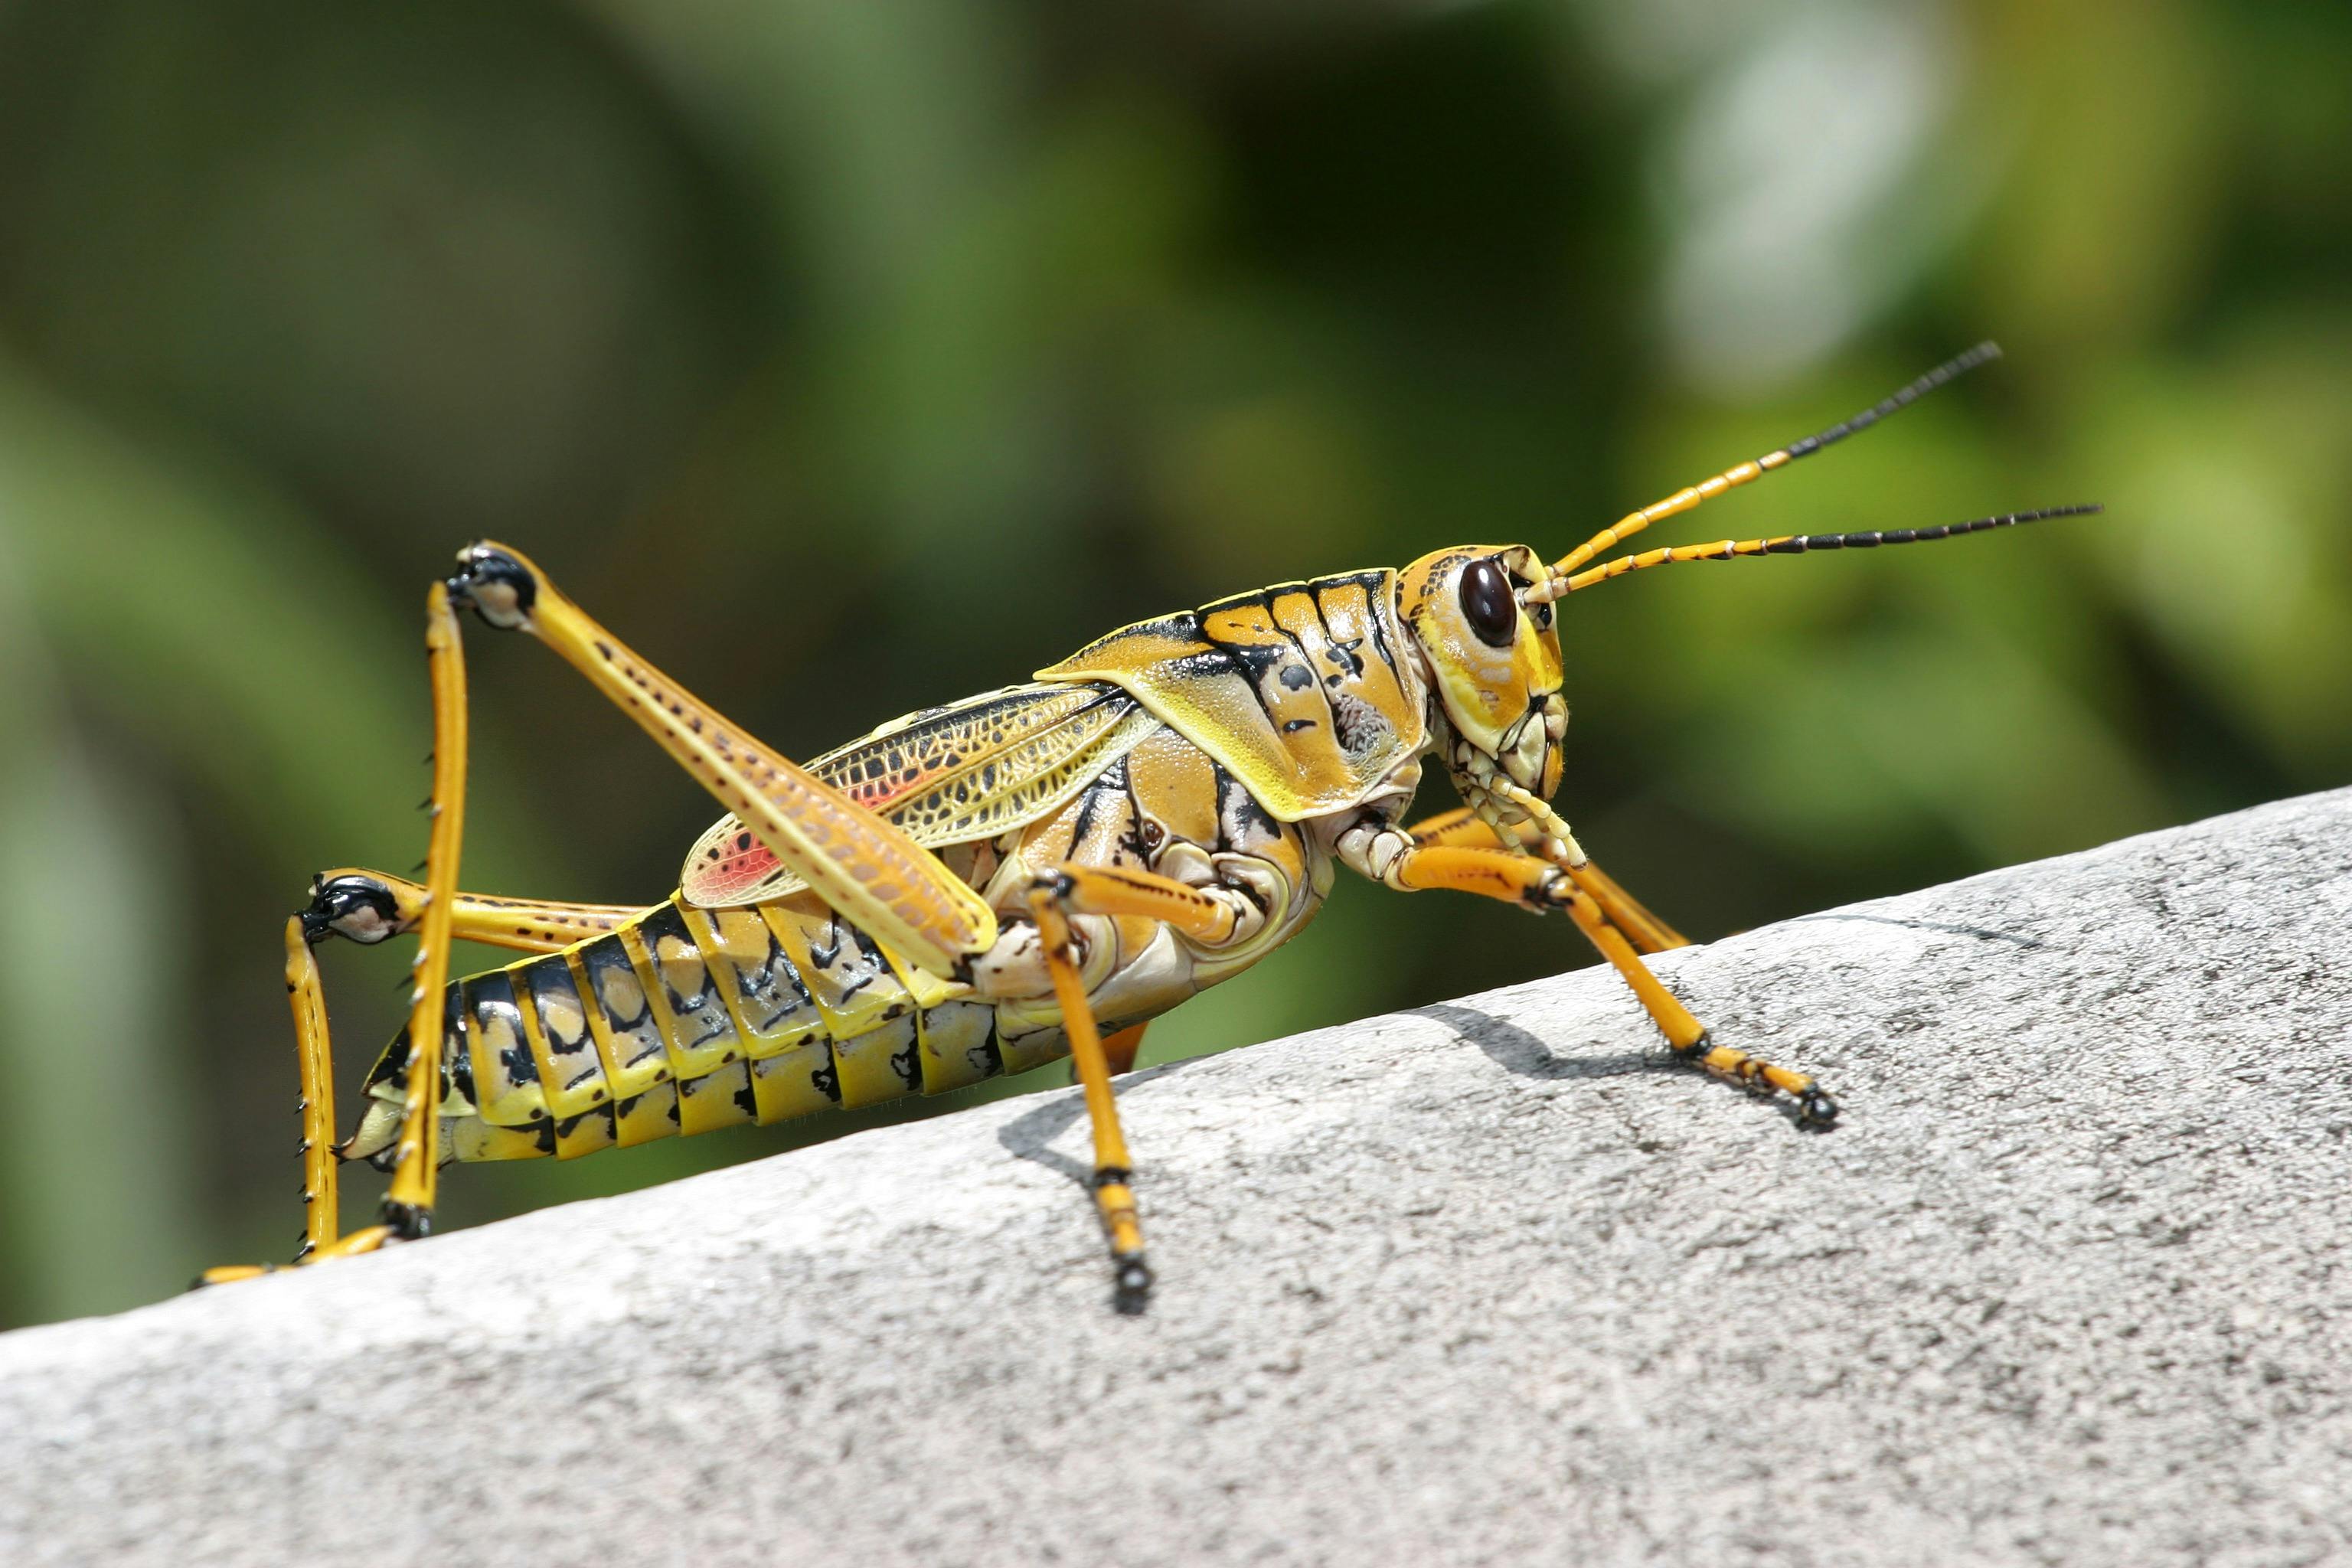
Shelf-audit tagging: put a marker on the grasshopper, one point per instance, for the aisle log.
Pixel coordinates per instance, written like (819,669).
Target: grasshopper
(987,886)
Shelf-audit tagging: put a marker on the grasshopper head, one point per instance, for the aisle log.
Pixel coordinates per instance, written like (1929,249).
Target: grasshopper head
(1494,660)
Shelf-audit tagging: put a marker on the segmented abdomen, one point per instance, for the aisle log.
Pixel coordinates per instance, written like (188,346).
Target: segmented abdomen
(683,1021)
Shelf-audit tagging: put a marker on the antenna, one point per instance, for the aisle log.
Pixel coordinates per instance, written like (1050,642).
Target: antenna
(1562,570)
(1798,544)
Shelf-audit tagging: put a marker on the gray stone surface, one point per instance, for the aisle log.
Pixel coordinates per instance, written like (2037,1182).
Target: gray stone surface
(1486,1282)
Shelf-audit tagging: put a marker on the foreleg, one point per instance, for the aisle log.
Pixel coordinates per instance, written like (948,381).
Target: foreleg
(1462,829)
(1542,885)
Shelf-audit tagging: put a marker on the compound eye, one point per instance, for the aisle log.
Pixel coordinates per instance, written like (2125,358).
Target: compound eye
(1487,602)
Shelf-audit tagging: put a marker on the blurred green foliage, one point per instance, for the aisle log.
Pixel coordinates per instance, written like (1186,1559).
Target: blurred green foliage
(849,357)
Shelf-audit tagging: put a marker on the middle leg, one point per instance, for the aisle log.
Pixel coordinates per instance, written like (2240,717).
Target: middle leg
(1074,889)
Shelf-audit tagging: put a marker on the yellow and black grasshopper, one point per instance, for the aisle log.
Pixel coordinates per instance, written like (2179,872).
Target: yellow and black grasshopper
(984,887)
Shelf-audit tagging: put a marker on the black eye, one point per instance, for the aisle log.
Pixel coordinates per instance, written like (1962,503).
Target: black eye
(1487,600)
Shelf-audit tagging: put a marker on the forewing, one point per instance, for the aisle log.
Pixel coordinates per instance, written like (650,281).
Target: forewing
(945,775)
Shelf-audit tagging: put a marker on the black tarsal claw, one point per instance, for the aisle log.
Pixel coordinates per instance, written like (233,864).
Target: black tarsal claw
(494,584)
(1132,1282)
(406,1221)
(1816,1110)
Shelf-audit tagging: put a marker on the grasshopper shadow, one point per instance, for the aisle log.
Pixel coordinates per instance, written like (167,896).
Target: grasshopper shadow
(1514,1050)
(1028,1135)
(1517,1051)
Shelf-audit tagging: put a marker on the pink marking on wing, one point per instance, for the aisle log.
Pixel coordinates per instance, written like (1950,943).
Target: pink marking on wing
(735,872)
(879,794)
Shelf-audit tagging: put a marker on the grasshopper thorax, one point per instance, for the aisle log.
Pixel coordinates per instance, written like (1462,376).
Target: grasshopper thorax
(1495,669)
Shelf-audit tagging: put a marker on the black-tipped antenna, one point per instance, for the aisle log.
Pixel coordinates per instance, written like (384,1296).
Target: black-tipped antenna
(1683,499)
(1798,544)
(1951,369)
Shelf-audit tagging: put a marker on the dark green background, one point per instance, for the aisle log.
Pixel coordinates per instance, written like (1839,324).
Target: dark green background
(848,357)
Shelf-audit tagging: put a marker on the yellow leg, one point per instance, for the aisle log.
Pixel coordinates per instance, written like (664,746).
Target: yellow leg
(408,1202)
(1120,1050)
(369,906)
(857,862)
(1539,885)
(1099,890)
(1462,829)
(320,1222)
(408,1205)
(1113,1172)
(1626,913)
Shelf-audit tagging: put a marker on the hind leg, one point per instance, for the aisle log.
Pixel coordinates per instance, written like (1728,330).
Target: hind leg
(368,907)
(408,1207)
(320,1224)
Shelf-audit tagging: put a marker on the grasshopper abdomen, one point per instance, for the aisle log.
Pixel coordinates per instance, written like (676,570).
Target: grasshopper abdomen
(684,1021)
